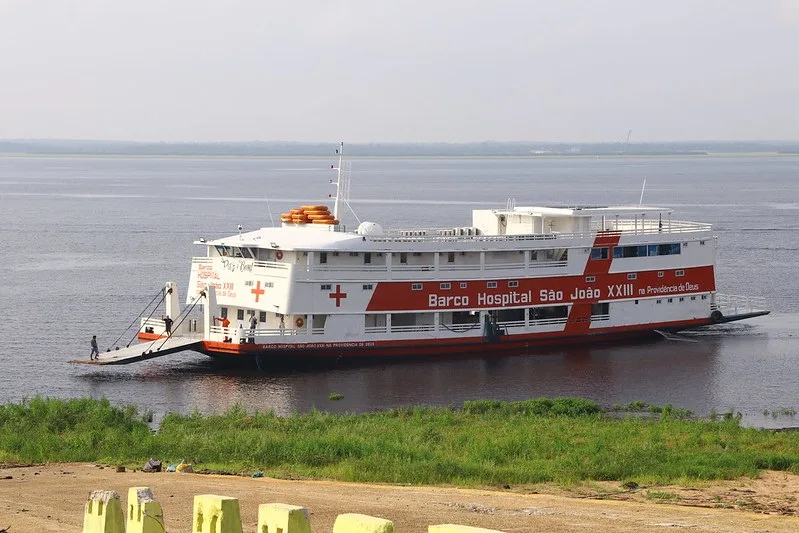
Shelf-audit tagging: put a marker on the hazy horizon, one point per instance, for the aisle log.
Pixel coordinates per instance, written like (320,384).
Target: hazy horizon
(432,71)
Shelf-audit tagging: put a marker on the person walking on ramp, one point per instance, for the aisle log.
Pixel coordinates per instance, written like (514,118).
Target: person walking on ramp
(95,351)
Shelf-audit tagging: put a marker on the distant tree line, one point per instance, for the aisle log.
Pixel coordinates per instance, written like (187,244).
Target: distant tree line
(472,149)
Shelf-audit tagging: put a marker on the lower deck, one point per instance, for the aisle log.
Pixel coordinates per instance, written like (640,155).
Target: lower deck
(449,332)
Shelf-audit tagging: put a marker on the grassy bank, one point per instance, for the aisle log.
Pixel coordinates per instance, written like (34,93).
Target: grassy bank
(482,443)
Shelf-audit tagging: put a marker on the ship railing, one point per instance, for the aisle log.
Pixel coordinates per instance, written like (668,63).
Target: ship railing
(352,268)
(738,304)
(247,334)
(512,324)
(442,267)
(272,265)
(535,322)
(277,265)
(413,329)
(621,226)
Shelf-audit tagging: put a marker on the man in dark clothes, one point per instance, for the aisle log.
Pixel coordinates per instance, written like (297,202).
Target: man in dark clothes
(95,351)
(168,325)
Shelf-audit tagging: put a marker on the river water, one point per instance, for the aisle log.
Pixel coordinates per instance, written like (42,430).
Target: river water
(87,241)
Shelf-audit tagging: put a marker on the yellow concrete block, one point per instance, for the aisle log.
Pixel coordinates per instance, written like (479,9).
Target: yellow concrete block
(216,514)
(282,518)
(103,513)
(361,523)
(144,512)
(452,528)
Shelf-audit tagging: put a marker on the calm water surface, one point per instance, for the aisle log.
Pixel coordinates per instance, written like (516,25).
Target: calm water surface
(86,242)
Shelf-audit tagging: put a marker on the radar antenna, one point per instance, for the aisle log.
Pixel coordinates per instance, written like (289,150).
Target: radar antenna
(342,183)
(341,189)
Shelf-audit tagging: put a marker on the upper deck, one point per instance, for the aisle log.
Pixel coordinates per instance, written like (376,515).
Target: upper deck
(515,228)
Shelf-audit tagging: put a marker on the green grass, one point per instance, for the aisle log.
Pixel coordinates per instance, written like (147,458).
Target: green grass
(661,496)
(564,440)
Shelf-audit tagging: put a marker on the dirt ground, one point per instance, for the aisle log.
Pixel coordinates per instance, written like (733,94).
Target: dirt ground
(45,498)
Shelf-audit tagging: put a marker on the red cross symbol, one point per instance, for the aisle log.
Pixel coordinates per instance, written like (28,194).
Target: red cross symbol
(257,291)
(338,295)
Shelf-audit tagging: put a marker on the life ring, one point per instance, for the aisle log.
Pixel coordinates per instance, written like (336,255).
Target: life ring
(299,322)
(279,255)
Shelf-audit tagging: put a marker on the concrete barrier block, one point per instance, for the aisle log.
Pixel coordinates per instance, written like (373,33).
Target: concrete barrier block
(453,528)
(103,513)
(282,518)
(361,523)
(144,512)
(216,514)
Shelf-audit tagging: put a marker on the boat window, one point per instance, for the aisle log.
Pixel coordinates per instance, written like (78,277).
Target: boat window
(513,283)
(491,284)
(403,319)
(322,258)
(465,317)
(548,312)
(416,287)
(450,257)
(367,258)
(599,252)
(679,272)
(403,257)
(240,314)
(590,279)
(223,312)
(221,250)
(446,286)
(660,273)
(368,287)
(353,254)
(601,308)
(632,276)
(693,298)
(463,285)
(629,251)
(510,315)
(262,316)
(326,287)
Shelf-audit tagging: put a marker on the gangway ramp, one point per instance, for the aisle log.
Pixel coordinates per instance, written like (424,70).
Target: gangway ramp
(144,350)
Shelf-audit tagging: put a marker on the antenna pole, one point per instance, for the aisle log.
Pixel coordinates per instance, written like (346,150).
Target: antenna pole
(338,180)
(641,200)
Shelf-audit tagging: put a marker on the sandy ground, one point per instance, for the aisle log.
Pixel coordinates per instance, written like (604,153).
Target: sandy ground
(47,498)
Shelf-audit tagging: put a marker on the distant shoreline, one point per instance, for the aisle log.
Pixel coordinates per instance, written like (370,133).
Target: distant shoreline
(531,150)
(89,155)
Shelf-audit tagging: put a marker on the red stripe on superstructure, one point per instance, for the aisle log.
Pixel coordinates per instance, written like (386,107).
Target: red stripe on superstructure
(399,295)
(579,320)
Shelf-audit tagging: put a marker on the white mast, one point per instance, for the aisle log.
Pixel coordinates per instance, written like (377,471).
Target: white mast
(338,180)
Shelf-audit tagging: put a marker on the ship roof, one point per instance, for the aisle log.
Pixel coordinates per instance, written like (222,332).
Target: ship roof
(586,210)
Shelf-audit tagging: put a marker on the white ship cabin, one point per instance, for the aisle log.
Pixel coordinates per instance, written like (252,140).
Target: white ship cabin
(312,277)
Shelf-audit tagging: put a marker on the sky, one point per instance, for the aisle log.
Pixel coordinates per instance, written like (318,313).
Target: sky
(399,71)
